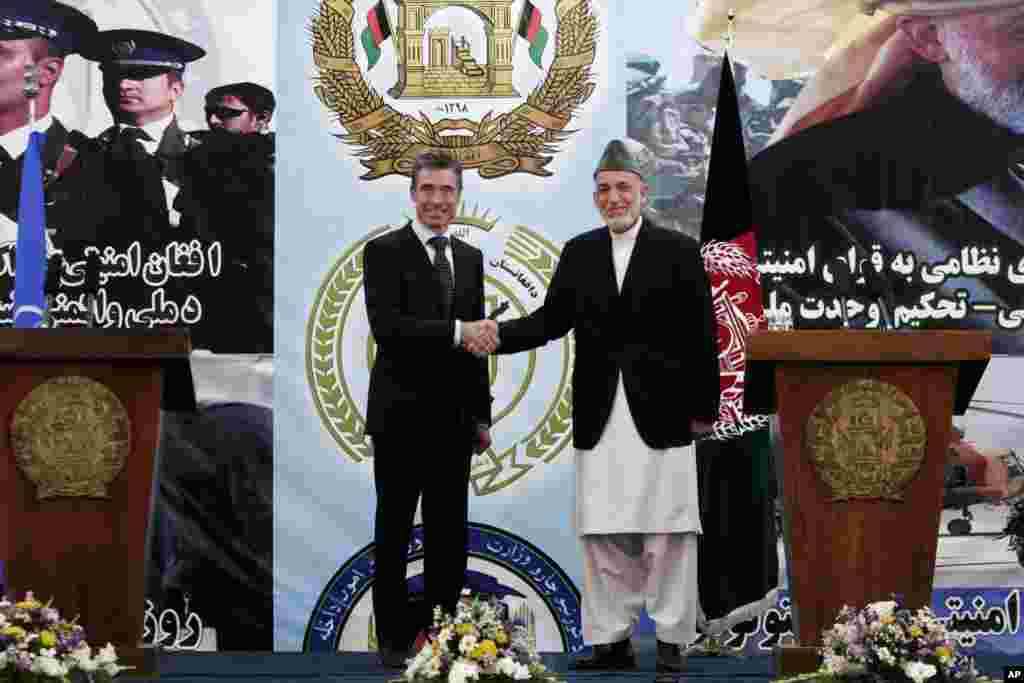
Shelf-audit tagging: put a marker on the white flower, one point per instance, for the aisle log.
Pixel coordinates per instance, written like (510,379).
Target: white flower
(834,664)
(467,644)
(522,672)
(444,636)
(48,666)
(463,670)
(919,671)
(883,609)
(886,656)
(420,662)
(81,658)
(506,667)
(107,655)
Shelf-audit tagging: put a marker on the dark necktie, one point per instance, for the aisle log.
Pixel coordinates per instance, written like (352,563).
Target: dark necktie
(127,146)
(444,273)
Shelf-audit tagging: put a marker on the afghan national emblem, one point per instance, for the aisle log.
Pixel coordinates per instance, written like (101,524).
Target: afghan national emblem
(532,410)
(432,63)
(867,440)
(71,437)
(123,49)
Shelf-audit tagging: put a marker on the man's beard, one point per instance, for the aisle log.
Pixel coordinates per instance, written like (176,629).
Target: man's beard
(624,222)
(1001,102)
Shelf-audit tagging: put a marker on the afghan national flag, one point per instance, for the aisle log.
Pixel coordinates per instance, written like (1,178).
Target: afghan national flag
(531,30)
(30,248)
(378,29)
(736,485)
(729,248)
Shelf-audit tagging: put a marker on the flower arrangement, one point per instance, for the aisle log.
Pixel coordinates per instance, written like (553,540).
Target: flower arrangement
(37,645)
(885,642)
(479,642)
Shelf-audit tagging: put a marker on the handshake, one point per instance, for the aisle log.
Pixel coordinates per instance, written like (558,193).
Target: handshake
(480,337)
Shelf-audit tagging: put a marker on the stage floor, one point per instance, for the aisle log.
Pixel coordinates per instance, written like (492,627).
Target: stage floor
(357,667)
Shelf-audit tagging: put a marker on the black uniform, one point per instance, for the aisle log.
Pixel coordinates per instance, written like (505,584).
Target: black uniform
(227,197)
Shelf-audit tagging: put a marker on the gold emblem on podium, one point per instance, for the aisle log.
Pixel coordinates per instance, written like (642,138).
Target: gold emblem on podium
(867,441)
(71,437)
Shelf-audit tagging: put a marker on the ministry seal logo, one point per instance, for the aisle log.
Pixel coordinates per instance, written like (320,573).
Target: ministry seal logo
(431,63)
(532,410)
(537,592)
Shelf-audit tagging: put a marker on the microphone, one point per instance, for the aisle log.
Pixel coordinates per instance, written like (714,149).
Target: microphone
(842,279)
(501,308)
(880,290)
(51,284)
(91,286)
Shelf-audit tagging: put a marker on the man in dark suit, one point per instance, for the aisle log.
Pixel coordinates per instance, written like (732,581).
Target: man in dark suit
(136,164)
(40,33)
(645,381)
(429,397)
(227,198)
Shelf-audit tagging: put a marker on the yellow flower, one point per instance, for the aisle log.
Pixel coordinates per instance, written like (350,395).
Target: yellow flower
(484,650)
(28,604)
(464,629)
(943,652)
(501,637)
(47,638)
(916,631)
(16,632)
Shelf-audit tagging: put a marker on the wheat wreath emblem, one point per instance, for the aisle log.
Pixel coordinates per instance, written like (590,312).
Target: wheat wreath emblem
(522,140)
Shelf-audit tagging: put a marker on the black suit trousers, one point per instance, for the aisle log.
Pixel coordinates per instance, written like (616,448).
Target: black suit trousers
(403,472)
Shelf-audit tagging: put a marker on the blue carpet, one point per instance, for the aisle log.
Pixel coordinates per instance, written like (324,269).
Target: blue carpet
(361,667)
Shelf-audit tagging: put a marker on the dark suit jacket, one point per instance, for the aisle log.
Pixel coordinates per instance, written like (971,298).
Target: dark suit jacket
(124,201)
(57,138)
(659,332)
(418,376)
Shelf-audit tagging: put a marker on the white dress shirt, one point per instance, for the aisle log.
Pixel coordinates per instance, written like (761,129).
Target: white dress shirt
(155,130)
(16,142)
(622,249)
(425,233)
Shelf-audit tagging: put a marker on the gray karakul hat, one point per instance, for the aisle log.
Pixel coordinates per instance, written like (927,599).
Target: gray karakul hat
(618,157)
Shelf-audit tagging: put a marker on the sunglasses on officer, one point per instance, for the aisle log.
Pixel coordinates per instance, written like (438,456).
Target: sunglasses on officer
(223,113)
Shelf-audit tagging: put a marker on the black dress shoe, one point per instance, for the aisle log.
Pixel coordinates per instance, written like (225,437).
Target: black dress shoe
(670,658)
(611,657)
(392,659)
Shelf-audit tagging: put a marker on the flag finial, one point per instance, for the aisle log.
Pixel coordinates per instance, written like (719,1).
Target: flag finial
(730,31)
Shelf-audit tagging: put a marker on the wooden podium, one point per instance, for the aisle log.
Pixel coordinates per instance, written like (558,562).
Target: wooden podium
(80,424)
(866,423)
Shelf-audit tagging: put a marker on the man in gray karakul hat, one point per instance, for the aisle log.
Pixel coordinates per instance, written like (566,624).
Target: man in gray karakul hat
(643,386)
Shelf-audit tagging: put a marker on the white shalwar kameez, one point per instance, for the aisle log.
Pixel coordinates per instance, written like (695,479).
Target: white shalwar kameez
(638,518)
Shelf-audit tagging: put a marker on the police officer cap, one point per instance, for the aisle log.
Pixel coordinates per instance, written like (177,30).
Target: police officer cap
(65,27)
(142,52)
(617,157)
